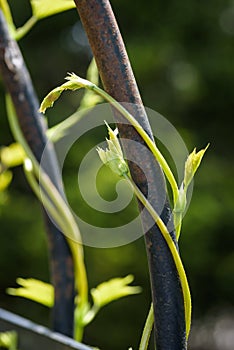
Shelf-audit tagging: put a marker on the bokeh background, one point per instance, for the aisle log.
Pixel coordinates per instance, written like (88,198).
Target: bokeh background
(182,56)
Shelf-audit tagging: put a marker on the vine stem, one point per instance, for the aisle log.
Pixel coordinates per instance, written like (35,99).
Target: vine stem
(158,155)
(75,82)
(22,31)
(147,329)
(56,206)
(173,250)
(7,13)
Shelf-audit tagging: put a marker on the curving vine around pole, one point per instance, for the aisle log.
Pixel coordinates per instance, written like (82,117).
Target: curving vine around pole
(118,80)
(18,84)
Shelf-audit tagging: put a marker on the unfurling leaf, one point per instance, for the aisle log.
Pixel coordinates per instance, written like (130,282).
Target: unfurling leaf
(35,290)
(113,289)
(192,164)
(113,155)
(45,8)
(73,83)
(50,99)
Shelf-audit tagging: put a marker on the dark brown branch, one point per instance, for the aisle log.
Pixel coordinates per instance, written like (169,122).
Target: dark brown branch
(117,77)
(18,84)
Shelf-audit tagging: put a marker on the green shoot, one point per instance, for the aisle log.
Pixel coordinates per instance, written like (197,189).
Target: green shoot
(179,195)
(40,9)
(147,329)
(74,83)
(159,223)
(54,203)
(88,101)
(102,295)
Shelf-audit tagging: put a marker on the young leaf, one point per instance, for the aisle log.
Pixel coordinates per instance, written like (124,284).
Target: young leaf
(192,164)
(35,290)
(73,83)
(44,8)
(89,100)
(113,289)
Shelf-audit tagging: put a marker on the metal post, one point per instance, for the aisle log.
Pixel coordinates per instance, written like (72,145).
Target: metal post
(18,84)
(118,80)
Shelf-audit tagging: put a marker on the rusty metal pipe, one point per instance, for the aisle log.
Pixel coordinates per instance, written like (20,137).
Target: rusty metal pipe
(17,81)
(118,80)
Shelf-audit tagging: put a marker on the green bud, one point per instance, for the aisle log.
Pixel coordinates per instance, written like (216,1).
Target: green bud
(75,82)
(180,205)
(192,164)
(113,155)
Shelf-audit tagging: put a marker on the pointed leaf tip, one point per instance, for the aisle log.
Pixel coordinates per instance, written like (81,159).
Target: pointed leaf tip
(113,289)
(113,155)
(49,100)
(35,290)
(191,165)
(43,8)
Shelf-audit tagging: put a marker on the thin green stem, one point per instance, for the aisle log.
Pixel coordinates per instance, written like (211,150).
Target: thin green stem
(79,331)
(28,170)
(147,329)
(75,247)
(174,252)
(63,215)
(177,223)
(74,82)
(59,130)
(7,13)
(22,31)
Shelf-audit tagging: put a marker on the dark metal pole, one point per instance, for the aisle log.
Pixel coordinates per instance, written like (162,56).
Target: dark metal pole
(18,84)
(118,80)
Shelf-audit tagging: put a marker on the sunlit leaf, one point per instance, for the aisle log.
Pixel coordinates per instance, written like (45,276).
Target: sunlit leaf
(12,155)
(73,83)
(113,289)
(5,180)
(89,100)
(44,8)
(35,290)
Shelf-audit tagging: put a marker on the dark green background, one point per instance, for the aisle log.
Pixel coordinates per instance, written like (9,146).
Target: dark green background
(182,56)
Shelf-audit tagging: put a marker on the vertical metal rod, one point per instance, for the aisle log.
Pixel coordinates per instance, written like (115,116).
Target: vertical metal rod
(118,80)
(18,83)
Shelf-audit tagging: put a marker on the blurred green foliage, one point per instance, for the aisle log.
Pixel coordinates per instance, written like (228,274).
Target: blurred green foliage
(182,55)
